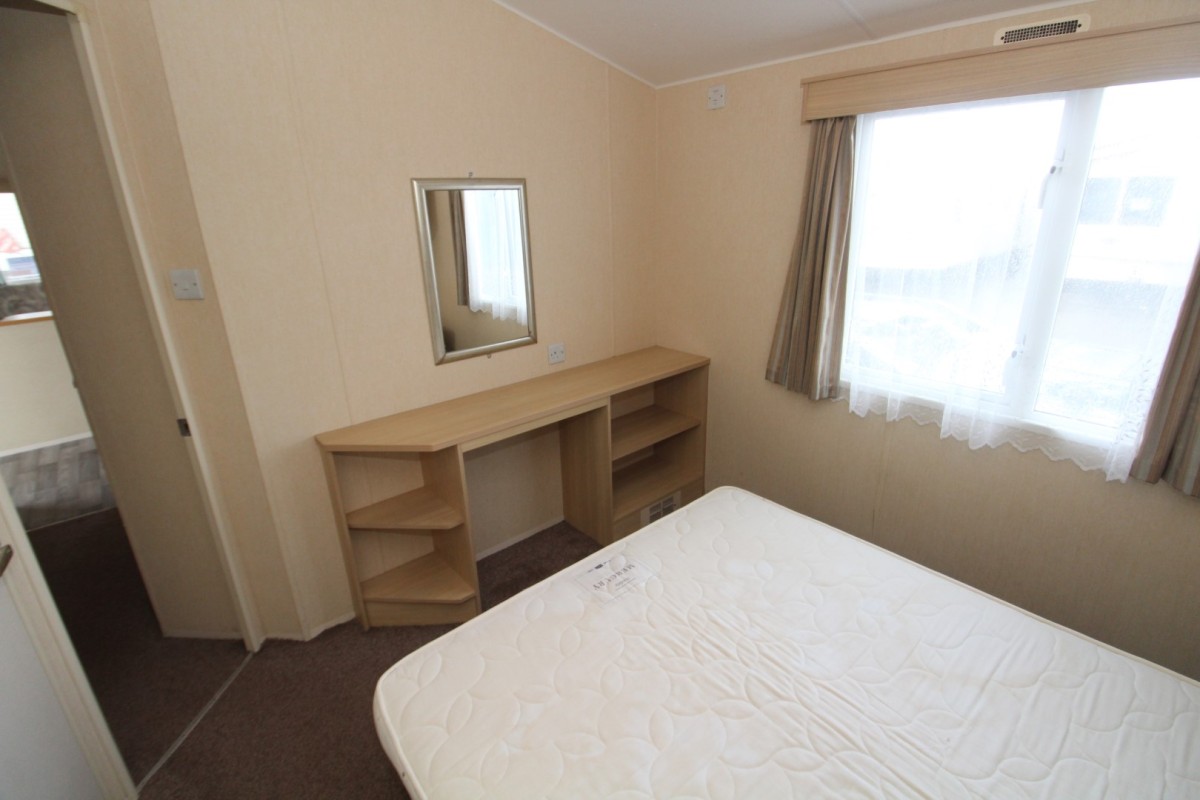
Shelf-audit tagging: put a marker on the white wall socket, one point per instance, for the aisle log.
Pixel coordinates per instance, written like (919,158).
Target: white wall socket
(185,284)
(558,353)
(716,97)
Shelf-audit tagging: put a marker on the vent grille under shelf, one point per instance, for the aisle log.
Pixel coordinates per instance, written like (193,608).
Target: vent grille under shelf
(661,508)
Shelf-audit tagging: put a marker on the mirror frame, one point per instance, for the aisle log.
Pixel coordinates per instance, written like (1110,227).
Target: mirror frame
(422,185)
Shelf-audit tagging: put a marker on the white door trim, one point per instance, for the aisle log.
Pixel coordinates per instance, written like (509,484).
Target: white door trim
(36,607)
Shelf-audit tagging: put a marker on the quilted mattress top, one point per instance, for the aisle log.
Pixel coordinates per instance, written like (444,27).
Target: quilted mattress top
(738,649)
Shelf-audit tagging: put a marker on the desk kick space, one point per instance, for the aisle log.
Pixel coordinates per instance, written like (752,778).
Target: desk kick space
(631,433)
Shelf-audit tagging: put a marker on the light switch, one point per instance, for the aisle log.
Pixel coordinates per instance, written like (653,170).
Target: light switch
(716,97)
(185,283)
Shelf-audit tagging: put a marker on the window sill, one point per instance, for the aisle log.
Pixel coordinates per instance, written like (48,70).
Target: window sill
(21,319)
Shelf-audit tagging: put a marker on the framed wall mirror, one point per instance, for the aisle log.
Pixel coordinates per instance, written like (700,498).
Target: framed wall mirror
(478,277)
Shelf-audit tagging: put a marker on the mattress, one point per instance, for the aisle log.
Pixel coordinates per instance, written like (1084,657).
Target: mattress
(738,649)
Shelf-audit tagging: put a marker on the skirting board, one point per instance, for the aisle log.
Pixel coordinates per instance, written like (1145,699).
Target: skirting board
(518,538)
(311,633)
(40,445)
(184,634)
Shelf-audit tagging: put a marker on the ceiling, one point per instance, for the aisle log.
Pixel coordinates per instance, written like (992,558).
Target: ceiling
(663,42)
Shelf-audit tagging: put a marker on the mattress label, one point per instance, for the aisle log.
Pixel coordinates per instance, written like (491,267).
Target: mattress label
(612,577)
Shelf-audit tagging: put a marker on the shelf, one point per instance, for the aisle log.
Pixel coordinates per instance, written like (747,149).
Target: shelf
(611,468)
(428,579)
(648,480)
(420,509)
(646,427)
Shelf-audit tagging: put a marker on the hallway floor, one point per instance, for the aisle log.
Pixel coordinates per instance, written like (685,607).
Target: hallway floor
(57,482)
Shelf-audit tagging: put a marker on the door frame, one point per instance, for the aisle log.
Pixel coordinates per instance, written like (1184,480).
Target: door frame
(37,610)
(27,585)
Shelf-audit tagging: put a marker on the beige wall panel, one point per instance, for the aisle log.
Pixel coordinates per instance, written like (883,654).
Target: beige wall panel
(398,91)
(633,136)
(1116,562)
(39,402)
(302,183)
(131,69)
(729,197)
(67,197)
(514,488)
(229,68)
(1042,534)
(829,467)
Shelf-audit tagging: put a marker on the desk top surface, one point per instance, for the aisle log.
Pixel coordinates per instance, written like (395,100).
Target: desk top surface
(472,416)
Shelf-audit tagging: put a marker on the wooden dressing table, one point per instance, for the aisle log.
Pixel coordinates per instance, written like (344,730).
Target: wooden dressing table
(631,432)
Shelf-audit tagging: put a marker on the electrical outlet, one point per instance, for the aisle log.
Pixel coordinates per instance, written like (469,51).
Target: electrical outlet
(716,97)
(558,353)
(185,284)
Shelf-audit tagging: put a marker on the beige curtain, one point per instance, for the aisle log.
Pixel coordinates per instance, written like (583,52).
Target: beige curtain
(458,229)
(1171,444)
(807,349)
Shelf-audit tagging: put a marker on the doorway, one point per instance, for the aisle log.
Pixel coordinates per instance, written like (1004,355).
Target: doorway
(149,687)
(93,280)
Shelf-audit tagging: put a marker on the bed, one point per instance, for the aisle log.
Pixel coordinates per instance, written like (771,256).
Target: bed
(738,649)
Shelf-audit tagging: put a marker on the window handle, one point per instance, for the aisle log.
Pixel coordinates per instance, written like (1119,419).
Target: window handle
(1055,168)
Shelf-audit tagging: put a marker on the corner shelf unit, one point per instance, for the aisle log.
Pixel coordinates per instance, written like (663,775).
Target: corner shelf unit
(418,509)
(631,432)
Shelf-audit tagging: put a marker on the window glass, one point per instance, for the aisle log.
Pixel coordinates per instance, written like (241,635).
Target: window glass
(1131,254)
(1027,256)
(17,264)
(941,267)
(20,281)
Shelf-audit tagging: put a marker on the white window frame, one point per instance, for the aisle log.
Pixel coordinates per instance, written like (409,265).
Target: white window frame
(1063,193)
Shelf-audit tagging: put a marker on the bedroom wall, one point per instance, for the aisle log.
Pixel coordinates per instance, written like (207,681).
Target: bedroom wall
(39,403)
(301,180)
(1116,561)
(129,71)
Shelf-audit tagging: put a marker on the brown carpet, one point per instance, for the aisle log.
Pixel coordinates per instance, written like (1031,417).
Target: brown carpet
(297,724)
(149,687)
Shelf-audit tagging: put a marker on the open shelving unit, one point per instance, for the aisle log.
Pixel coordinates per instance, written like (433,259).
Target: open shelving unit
(416,509)
(440,586)
(645,428)
(631,432)
(658,448)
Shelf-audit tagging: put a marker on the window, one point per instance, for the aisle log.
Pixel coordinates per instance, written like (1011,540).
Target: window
(1016,266)
(20,281)
(17,264)
(495,253)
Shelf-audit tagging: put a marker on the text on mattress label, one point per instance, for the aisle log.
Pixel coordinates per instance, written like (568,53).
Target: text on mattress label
(612,577)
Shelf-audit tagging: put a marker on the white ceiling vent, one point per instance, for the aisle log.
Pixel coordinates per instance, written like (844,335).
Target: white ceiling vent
(1043,30)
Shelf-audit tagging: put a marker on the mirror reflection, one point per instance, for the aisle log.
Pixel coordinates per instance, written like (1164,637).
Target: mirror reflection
(475,247)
